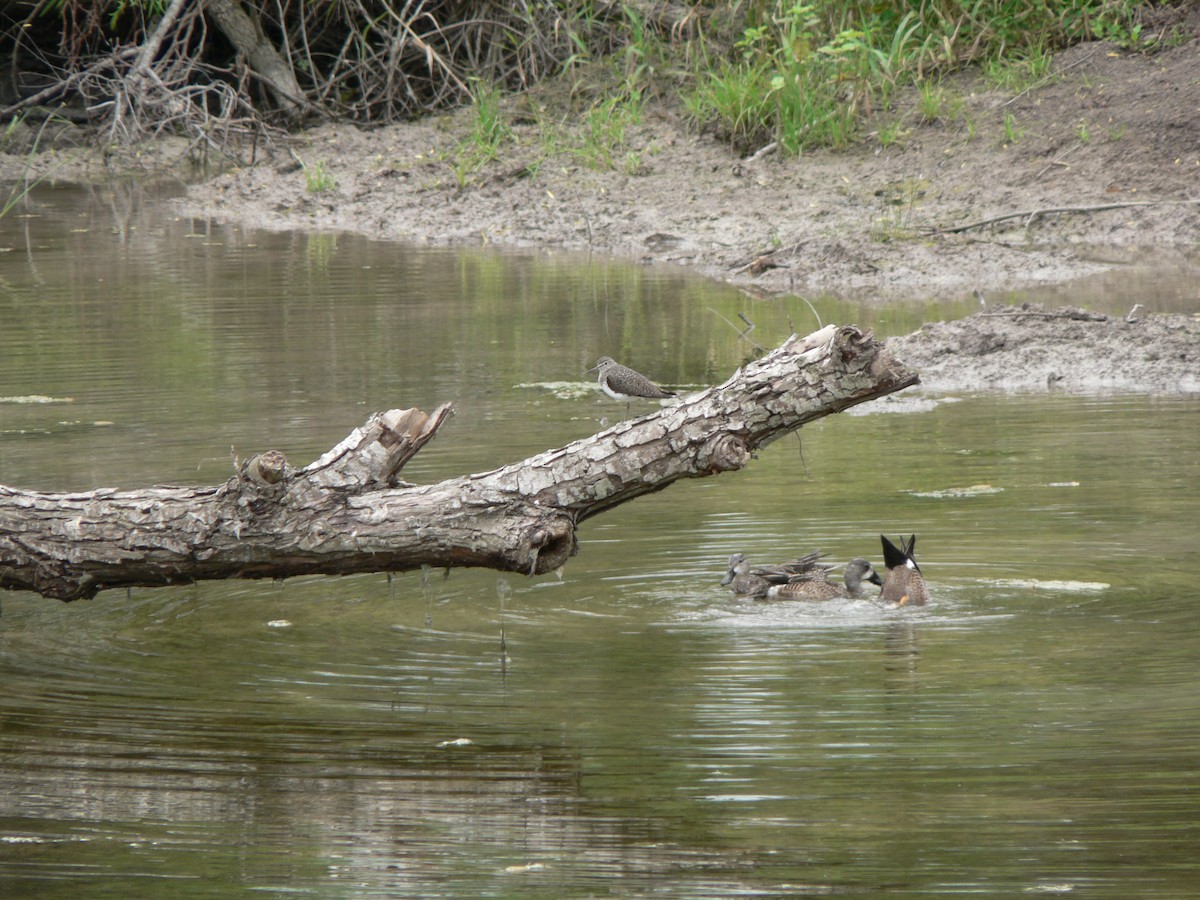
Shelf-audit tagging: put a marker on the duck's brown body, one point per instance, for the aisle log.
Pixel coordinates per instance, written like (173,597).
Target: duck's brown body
(904,584)
(754,581)
(857,571)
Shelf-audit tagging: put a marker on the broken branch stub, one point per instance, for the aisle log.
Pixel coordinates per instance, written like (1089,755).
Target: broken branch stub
(347,512)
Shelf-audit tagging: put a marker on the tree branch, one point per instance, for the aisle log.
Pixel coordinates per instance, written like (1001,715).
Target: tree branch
(247,36)
(1032,214)
(347,512)
(154,42)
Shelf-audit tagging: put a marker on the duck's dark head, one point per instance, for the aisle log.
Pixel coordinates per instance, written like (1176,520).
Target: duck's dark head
(737,564)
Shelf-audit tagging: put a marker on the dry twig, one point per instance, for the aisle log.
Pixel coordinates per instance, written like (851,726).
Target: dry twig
(1031,214)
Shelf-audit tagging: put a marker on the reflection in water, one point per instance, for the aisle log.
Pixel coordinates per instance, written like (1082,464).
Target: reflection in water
(628,728)
(902,654)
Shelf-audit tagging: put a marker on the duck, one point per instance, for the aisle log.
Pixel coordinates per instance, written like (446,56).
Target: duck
(904,584)
(857,571)
(754,582)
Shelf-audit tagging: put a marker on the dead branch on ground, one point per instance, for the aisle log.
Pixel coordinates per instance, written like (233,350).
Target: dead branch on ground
(1031,214)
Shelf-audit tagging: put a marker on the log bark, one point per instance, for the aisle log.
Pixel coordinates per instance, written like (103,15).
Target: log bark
(348,511)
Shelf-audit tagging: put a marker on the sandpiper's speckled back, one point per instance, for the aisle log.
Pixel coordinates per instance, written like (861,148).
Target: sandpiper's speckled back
(621,382)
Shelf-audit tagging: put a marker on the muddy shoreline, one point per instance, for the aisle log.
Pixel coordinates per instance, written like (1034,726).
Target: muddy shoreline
(1032,348)
(1113,130)
(1097,167)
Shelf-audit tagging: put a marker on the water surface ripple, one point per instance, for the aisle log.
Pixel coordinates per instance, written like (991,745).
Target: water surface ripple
(624,729)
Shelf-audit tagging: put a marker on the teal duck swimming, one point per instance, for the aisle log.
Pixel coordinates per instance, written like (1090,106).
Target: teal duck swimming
(754,581)
(857,571)
(904,584)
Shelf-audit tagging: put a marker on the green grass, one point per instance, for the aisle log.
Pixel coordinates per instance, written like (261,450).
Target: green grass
(597,133)
(932,101)
(891,133)
(490,130)
(1021,72)
(19,190)
(814,74)
(603,132)
(1012,131)
(791,85)
(318,178)
(736,101)
(800,74)
(619,97)
(900,201)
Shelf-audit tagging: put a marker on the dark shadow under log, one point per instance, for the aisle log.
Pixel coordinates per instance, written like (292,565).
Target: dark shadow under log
(347,512)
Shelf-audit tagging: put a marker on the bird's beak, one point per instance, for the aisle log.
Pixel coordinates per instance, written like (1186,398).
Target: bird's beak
(728,577)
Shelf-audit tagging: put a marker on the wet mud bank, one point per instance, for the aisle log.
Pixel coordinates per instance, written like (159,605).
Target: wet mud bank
(1098,166)
(1032,348)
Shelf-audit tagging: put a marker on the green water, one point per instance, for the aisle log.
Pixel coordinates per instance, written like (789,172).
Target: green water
(1036,730)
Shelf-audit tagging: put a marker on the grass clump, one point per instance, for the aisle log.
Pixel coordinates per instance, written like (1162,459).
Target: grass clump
(807,74)
(317,177)
(490,130)
(1020,71)
(796,73)
(794,81)
(799,72)
(1012,131)
(603,130)
(899,201)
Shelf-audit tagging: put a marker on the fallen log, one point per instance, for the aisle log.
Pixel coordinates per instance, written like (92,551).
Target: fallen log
(348,512)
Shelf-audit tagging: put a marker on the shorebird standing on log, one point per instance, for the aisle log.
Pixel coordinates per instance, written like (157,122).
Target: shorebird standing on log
(623,383)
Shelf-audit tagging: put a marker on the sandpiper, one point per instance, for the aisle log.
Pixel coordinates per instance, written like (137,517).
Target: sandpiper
(904,584)
(623,383)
